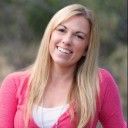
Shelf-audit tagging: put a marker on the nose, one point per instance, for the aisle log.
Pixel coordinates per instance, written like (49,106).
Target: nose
(67,39)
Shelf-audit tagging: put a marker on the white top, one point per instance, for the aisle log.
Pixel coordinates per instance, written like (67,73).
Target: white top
(47,117)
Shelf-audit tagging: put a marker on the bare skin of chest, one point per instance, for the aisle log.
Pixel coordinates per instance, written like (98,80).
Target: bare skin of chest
(56,95)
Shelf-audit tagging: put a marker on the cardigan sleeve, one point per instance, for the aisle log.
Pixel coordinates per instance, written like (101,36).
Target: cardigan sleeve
(8,102)
(111,114)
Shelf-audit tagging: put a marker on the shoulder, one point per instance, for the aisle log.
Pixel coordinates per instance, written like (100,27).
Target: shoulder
(107,84)
(17,76)
(104,73)
(105,77)
(15,79)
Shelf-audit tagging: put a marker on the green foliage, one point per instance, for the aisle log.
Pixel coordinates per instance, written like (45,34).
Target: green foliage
(37,18)
(9,1)
(111,16)
(38,13)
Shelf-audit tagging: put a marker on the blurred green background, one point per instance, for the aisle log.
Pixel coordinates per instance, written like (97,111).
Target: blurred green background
(22,23)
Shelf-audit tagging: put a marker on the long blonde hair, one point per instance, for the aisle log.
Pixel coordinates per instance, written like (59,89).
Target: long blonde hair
(86,74)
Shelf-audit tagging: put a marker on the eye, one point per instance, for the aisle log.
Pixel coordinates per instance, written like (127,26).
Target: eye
(80,37)
(62,30)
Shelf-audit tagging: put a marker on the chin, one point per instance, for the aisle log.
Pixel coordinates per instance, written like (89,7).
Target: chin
(61,63)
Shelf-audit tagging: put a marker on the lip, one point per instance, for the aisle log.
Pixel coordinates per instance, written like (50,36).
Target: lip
(64,50)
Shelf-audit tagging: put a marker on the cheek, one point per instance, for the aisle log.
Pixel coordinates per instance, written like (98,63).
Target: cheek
(81,51)
(52,42)
(51,46)
(54,37)
(82,48)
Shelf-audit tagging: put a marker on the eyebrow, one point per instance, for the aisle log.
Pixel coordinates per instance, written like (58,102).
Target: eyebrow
(63,26)
(78,32)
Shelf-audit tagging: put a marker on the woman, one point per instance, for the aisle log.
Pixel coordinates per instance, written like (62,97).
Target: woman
(64,88)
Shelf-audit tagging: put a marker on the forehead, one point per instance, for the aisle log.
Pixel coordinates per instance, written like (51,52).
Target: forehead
(77,23)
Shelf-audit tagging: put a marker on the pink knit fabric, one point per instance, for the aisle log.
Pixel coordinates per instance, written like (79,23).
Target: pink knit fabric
(13,95)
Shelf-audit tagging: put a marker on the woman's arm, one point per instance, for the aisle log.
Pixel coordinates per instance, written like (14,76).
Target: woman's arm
(8,102)
(111,114)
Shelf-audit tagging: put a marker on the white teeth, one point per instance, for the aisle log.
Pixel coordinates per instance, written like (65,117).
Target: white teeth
(64,50)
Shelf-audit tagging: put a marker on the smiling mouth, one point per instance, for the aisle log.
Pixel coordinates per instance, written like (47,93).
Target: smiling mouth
(64,50)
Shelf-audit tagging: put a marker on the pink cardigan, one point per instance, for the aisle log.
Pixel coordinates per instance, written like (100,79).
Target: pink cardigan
(13,95)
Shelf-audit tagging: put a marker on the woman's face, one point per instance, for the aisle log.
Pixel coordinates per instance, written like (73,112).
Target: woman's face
(69,41)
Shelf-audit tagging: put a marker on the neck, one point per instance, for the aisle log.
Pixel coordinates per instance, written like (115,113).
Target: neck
(62,73)
(61,77)
(59,85)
